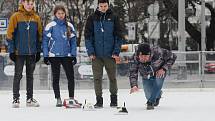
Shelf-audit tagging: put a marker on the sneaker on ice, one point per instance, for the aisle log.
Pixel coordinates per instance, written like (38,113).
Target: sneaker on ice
(59,102)
(150,106)
(71,103)
(32,103)
(76,101)
(157,101)
(15,103)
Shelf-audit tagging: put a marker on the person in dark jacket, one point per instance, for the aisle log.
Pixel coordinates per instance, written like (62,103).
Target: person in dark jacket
(152,64)
(24,46)
(103,38)
(59,48)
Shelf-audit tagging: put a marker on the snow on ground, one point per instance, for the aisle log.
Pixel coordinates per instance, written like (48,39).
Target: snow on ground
(176,105)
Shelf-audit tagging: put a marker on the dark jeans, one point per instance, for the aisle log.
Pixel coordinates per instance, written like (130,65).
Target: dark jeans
(68,68)
(29,61)
(152,88)
(110,66)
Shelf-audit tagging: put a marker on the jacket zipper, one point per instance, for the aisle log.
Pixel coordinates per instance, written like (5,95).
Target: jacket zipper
(29,49)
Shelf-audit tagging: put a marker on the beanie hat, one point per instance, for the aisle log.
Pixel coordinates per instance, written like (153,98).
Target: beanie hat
(144,49)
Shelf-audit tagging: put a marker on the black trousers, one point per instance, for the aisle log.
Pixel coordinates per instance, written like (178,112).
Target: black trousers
(29,61)
(68,68)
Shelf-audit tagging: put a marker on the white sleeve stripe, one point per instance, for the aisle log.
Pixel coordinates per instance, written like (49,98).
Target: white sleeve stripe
(72,35)
(49,35)
(51,24)
(70,25)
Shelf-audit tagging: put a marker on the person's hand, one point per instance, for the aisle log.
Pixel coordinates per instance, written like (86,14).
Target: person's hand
(46,60)
(134,89)
(74,60)
(12,57)
(92,57)
(117,58)
(160,73)
(38,57)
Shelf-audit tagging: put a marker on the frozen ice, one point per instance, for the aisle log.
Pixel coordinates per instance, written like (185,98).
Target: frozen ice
(175,105)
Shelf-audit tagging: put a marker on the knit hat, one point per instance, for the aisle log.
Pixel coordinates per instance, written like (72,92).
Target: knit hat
(144,49)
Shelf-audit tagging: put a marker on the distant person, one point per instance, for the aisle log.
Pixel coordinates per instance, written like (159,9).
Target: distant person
(24,46)
(152,64)
(103,38)
(59,48)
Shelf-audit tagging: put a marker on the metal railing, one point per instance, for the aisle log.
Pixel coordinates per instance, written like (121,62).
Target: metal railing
(190,71)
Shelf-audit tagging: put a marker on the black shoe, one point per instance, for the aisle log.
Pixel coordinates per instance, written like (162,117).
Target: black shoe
(15,103)
(157,101)
(113,100)
(99,103)
(150,106)
(113,104)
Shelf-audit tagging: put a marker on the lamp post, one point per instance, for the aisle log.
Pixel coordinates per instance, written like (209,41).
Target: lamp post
(203,40)
(182,75)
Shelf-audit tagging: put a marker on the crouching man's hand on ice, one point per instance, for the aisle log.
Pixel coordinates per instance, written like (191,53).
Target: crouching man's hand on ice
(134,89)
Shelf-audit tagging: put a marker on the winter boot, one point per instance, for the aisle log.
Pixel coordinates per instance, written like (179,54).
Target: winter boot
(59,102)
(15,103)
(113,100)
(99,103)
(150,106)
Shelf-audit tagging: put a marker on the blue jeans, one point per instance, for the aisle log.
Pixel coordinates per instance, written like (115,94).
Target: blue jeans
(152,88)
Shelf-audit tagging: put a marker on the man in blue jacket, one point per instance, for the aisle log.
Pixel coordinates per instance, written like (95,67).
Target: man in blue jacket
(103,35)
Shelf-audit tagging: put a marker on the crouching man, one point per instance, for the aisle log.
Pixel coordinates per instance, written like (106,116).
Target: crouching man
(152,63)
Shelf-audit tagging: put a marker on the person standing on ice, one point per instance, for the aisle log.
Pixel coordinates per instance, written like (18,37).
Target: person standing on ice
(103,38)
(59,48)
(152,64)
(24,46)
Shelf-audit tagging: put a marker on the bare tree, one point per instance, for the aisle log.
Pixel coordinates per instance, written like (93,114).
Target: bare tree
(192,29)
(7,7)
(80,12)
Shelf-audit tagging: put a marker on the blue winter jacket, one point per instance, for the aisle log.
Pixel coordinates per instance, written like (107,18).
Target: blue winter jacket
(55,40)
(103,34)
(24,33)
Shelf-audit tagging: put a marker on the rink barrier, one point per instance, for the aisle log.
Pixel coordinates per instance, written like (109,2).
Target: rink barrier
(190,71)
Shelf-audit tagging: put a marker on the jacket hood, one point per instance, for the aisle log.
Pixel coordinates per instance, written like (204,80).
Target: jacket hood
(22,10)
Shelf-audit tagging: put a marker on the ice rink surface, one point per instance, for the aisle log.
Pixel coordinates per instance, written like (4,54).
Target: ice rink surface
(175,105)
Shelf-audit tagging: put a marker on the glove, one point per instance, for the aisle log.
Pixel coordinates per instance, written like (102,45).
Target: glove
(37,57)
(74,60)
(46,60)
(12,57)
